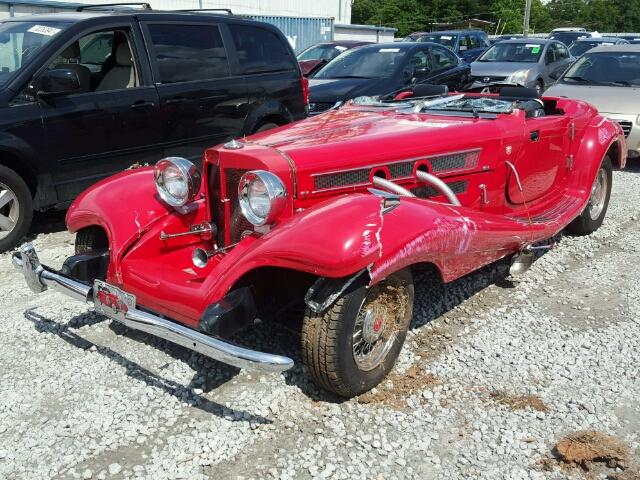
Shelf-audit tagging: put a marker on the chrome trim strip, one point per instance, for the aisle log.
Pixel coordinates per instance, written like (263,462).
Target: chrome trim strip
(40,278)
(440,185)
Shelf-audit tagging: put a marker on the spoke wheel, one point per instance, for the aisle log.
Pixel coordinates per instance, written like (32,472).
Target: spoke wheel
(598,194)
(349,348)
(378,324)
(9,211)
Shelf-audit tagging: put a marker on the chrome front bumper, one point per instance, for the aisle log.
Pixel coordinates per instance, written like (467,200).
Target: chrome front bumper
(40,277)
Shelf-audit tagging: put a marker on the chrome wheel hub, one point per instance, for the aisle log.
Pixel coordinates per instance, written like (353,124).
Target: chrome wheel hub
(598,195)
(9,210)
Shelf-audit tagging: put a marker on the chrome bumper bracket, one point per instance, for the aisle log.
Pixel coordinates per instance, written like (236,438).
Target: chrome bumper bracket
(40,277)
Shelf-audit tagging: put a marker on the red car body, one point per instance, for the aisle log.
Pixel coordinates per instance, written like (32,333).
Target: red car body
(332,226)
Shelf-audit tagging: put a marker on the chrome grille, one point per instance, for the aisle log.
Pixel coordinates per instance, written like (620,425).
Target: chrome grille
(237,222)
(626,126)
(455,161)
(428,191)
(341,179)
(487,79)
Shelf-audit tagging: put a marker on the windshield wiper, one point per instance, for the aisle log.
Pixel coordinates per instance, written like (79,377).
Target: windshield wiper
(577,79)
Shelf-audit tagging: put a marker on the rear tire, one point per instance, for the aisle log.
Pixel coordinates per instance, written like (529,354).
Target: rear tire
(16,208)
(354,344)
(91,238)
(539,87)
(593,214)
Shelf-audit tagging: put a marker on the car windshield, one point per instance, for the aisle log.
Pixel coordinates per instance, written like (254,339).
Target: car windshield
(513,52)
(322,52)
(453,103)
(19,41)
(378,62)
(578,48)
(446,39)
(620,69)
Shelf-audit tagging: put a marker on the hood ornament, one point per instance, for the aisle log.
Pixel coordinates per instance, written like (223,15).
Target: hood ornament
(233,145)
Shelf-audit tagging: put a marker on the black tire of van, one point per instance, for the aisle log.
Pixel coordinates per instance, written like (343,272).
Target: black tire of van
(19,208)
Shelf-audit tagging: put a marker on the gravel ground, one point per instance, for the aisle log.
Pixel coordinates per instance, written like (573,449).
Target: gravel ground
(493,374)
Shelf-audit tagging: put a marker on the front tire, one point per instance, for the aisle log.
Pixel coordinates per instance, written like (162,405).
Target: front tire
(353,345)
(16,208)
(593,214)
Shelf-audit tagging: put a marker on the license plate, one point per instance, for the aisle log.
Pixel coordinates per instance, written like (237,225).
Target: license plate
(111,301)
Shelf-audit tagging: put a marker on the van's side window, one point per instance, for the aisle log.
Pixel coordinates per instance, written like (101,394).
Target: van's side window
(102,61)
(260,50)
(188,52)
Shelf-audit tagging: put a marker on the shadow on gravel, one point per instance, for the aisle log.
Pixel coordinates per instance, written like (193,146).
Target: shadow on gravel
(133,369)
(47,222)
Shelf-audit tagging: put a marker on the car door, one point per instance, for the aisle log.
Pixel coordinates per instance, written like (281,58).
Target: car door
(542,162)
(111,122)
(201,102)
(448,69)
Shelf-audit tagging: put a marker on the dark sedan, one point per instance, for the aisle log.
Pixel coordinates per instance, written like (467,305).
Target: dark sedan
(384,68)
(315,57)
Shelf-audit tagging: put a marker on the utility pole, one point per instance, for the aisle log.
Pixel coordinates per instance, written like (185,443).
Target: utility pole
(527,16)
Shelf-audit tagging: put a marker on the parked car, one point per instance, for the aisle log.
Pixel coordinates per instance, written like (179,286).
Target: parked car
(527,62)
(87,94)
(384,68)
(315,57)
(582,45)
(608,77)
(467,44)
(570,35)
(334,215)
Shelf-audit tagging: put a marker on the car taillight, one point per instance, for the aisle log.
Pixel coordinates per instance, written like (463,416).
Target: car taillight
(305,90)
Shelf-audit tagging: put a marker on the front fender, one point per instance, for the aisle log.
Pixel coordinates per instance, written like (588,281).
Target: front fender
(126,206)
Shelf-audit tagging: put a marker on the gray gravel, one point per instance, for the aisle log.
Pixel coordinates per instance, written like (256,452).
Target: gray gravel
(82,397)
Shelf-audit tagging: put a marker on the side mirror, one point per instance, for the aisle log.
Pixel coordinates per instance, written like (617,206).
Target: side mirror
(421,72)
(57,82)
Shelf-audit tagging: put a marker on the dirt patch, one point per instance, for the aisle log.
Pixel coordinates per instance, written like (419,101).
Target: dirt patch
(398,387)
(588,446)
(519,402)
(631,474)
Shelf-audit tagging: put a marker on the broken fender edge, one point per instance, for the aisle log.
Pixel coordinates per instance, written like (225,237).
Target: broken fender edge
(325,291)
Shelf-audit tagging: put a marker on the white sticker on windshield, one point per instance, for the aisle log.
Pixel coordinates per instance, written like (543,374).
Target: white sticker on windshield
(446,37)
(531,45)
(606,43)
(389,50)
(44,30)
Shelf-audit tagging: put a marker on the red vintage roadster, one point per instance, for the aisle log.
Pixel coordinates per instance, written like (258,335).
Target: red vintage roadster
(336,212)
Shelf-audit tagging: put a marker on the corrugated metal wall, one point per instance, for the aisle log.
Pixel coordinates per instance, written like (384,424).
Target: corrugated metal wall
(301,32)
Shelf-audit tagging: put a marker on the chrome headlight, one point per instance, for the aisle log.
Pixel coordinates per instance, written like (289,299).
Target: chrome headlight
(177,180)
(262,196)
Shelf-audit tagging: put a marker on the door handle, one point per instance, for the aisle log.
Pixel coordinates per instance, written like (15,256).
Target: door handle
(535,136)
(175,100)
(143,104)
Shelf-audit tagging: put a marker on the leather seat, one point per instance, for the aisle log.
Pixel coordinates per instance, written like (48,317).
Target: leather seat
(122,74)
(72,54)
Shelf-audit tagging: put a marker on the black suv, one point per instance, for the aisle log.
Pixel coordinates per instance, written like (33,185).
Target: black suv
(86,94)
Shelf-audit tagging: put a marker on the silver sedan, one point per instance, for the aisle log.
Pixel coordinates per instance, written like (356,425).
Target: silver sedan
(533,63)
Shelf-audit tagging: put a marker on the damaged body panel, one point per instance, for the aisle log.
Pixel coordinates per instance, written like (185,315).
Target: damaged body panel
(333,211)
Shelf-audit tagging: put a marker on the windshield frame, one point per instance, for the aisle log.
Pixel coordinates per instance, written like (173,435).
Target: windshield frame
(504,44)
(327,72)
(47,31)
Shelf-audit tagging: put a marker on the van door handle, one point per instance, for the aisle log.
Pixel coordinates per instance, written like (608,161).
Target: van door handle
(174,100)
(142,104)
(535,136)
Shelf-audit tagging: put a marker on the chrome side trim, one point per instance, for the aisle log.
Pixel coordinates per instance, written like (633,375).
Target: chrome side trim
(40,277)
